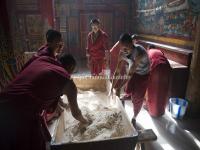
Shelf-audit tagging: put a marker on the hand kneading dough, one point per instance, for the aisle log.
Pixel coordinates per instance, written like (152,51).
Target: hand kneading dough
(106,120)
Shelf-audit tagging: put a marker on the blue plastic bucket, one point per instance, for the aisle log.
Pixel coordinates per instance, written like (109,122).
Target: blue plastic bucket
(177,107)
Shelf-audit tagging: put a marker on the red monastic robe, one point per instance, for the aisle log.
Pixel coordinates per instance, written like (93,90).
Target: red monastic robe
(96,49)
(37,88)
(158,83)
(42,51)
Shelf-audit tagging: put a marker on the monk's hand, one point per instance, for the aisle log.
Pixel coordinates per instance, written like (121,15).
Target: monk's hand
(83,125)
(88,60)
(85,121)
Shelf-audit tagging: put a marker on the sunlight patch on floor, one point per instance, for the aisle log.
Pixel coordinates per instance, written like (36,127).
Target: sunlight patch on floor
(194,138)
(167,147)
(145,120)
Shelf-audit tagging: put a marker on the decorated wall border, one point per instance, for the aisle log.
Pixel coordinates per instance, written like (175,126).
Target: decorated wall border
(169,40)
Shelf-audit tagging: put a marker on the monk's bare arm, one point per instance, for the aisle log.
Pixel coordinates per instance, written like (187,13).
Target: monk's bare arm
(70,90)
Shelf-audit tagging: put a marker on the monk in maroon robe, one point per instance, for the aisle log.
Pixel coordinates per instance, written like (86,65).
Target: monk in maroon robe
(158,83)
(52,48)
(97,46)
(36,89)
(138,71)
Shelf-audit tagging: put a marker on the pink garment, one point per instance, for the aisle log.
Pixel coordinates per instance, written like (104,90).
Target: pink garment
(158,83)
(157,57)
(157,96)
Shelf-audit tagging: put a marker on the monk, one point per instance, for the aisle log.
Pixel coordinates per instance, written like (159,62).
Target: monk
(35,90)
(114,52)
(52,48)
(97,47)
(157,96)
(138,70)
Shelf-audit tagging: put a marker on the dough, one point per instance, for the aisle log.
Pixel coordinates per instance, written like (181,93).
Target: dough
(106,120)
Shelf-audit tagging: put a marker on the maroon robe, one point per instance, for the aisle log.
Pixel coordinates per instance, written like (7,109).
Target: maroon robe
(136,87)
(42,51)
(37,88)
(158,83)
(96,49)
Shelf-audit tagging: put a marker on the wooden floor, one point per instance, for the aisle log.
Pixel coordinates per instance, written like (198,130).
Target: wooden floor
(171,134)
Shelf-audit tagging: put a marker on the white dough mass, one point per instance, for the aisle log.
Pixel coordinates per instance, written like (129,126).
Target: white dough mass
(107,121)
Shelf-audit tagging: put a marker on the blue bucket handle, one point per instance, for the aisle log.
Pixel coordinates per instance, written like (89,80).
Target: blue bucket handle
(177,101)
(184,102)
(179,112)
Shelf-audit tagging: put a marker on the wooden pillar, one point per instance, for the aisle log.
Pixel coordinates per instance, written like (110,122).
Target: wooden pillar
(193,89)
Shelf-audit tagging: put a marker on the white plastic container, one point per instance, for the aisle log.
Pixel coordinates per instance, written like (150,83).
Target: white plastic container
(177,107)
